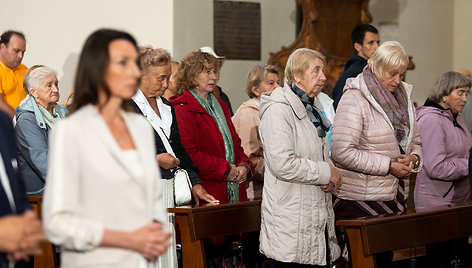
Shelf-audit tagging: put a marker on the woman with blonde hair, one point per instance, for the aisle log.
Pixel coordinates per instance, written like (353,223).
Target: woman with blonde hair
(297,218)
(246,121)
(375,139)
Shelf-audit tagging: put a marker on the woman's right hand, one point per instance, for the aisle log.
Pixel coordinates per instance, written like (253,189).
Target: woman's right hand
(151,240)
(167,161)
(400,170)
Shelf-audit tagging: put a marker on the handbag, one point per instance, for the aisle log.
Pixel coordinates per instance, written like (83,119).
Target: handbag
(182,188)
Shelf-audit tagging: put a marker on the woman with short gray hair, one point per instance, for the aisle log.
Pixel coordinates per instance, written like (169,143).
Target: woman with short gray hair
(297,218)
(444,180)
(35,117)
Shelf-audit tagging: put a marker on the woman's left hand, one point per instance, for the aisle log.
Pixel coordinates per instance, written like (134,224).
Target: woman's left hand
(200,193)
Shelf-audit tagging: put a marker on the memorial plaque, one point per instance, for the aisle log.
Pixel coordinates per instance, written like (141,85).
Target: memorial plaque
(237,30)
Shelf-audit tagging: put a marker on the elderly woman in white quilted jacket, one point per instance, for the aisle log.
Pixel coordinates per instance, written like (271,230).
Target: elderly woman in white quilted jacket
(375,139)
(297,225)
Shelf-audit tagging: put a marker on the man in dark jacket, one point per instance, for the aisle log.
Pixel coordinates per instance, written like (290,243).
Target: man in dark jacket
(20,229)
(365,40)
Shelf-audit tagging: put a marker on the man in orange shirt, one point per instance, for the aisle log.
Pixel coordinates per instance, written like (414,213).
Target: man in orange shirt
(12,51)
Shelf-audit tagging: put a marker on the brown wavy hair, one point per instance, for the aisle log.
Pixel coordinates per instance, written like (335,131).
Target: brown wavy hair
(190,67)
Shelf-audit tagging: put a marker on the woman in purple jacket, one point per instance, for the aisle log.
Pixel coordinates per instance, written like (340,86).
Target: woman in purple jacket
(444,180)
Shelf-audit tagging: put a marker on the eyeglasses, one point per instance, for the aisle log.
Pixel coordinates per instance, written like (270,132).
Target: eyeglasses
(461,92)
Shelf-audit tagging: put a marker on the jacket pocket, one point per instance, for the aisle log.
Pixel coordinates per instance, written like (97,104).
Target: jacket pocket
(283,190)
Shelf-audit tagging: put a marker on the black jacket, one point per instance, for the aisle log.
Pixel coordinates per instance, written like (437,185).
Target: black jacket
(354,66)
(8,152)
(225,98)
(176,144)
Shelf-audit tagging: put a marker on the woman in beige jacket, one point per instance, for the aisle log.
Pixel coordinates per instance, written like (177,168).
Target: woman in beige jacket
(246,121)
(297,221)
(375,140)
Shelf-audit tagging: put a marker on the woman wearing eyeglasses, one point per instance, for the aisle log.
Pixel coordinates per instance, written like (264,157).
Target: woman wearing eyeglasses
(444,179)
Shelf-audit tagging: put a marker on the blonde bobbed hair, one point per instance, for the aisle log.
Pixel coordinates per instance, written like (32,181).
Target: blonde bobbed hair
(389,56)
(256,75)
(299,61)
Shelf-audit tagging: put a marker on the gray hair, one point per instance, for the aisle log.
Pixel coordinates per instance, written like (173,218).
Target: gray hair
(446,83)
(299,61)
(35,75)
(389,55)
(149,56)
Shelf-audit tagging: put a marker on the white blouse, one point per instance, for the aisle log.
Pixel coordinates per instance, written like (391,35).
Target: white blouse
(162,125)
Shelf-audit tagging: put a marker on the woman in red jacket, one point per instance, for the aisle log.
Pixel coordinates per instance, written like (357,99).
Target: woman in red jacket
(207,132)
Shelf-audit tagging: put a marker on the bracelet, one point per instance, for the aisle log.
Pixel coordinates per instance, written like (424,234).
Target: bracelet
(417,163)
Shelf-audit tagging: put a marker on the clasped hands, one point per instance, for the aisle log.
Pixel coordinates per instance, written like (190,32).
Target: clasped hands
(237,173)
(403,166)
(151,240)
(21,235)
(334,182)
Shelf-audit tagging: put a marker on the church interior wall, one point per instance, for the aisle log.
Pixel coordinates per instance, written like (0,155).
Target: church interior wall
(434,32)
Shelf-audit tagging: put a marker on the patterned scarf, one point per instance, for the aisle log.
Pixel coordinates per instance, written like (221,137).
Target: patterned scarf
(394,104)
(316,116)
(213,107)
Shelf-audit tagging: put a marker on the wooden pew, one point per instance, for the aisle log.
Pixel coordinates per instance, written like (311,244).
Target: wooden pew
(371,235)
(48,258)
(200,223)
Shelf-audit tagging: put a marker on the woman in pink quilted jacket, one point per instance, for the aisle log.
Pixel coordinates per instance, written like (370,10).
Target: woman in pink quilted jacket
(375,141)
(246,121)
